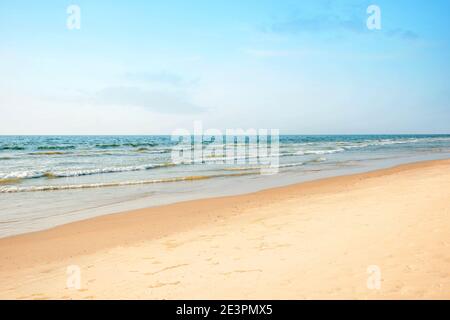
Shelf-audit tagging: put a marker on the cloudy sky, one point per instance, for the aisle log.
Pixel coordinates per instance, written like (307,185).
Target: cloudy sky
(149,67)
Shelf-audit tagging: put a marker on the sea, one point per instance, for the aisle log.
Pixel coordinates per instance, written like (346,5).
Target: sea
(46,181)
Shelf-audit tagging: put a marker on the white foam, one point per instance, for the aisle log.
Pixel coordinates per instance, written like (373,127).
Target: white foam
(30,174)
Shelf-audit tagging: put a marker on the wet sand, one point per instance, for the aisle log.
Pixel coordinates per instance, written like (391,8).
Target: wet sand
(322,239)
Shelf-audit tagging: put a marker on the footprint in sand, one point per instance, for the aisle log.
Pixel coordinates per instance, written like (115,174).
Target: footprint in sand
(172,244)
(263,246)
(163,284)
(241,271)
(47,271)
(167,268)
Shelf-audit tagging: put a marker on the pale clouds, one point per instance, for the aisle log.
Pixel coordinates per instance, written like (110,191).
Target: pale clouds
(157,101)
(160,77)
(34,115)
(352,20)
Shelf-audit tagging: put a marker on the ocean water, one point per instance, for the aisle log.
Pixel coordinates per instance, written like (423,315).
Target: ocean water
(50,180)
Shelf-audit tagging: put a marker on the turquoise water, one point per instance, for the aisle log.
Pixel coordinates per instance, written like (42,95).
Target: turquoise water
(48,180)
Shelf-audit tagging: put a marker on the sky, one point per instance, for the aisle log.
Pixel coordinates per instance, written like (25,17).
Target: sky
(151,67)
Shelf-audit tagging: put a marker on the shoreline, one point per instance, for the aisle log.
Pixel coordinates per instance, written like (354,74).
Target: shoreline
(49,213)
(114,234)
(54,194)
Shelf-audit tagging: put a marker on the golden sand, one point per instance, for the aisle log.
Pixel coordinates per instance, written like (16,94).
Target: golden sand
(331,239)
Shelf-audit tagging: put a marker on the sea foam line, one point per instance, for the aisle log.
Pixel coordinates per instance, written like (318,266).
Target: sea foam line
(32,174)
(15,189)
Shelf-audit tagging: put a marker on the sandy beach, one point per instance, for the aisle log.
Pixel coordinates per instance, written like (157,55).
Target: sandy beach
(320,239)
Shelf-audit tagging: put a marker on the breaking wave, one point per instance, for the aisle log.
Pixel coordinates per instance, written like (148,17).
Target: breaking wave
(32,174)
(15,189)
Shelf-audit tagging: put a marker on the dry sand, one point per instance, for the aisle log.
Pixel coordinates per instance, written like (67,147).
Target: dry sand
(310,240)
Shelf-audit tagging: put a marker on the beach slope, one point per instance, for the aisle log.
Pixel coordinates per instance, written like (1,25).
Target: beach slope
(378,235)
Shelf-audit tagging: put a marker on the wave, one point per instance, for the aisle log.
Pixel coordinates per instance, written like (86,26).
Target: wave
(304,146)
(288,165)
(284,165)
(386,142)
(140,144)
(127,144)
(64,147)
(22,174)
(32,174)
(47,153)
(15,189)
(153,151)
(14,148)
(10,180)
(319,152)
(223,157)
(107,146)
(75,172)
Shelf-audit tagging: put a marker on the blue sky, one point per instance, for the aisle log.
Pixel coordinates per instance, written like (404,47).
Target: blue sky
(149,67)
